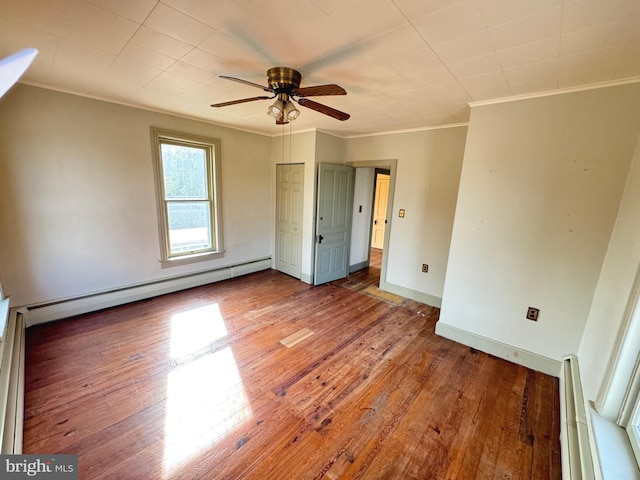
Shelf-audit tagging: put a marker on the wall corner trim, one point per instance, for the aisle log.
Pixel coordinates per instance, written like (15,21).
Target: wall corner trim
(522,357)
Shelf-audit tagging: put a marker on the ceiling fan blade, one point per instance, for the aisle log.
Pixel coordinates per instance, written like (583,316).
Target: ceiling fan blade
(318,90)
(12,68)
(247,82)
(242,100)
(318,107)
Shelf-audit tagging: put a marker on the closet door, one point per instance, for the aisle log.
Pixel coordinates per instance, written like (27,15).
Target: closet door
(289,201)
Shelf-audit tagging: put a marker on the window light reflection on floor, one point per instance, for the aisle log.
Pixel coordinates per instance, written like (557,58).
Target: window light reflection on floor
(195,329)
(205,395)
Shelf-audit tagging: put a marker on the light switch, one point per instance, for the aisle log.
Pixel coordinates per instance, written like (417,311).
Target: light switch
(401,213)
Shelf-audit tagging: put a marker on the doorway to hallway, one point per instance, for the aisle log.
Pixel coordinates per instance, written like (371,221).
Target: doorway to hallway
(362,253)
(381,196)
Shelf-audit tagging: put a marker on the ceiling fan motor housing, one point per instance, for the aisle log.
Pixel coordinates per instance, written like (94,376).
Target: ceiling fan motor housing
(283,79)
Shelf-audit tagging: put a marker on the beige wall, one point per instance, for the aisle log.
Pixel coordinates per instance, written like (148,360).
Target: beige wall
(428,172)
(540,188)
(78,204)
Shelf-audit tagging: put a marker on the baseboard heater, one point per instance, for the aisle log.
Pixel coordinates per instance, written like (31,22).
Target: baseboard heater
(577,463)
(11,379)
(46,312)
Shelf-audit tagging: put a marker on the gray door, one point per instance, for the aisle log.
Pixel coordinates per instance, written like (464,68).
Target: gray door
(333,222)
(289,201)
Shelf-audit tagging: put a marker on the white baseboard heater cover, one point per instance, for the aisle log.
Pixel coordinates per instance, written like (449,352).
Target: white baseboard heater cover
(64,308)
(577,463)
(12,353)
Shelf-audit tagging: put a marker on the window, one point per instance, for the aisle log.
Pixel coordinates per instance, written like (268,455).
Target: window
(187,184)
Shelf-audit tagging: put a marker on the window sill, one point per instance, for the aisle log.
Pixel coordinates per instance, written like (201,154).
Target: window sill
(614,450)
(187,259)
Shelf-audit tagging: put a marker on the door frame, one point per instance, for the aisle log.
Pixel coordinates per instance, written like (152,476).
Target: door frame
(391,165)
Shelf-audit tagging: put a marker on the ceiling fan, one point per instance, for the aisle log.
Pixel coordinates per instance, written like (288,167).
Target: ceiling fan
(12,68)
(284,85)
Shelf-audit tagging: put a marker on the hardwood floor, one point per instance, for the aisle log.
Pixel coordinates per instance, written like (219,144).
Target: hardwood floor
(197,385)
(375,259)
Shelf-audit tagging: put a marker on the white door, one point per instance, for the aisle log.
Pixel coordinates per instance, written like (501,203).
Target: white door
(289,201)
(333,222)
(380,210)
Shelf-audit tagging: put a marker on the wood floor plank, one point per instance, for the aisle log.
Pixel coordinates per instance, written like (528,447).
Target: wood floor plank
(363,408)
(196,385)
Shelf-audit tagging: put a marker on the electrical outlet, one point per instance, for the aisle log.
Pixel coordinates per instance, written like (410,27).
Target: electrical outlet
(425,268)
(532,314)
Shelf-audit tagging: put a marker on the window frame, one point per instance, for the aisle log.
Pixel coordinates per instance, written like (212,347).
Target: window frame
(632,426)
(619,395)
(212,148)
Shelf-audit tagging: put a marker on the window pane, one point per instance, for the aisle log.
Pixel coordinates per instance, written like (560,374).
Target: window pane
(189,226)
(185,172)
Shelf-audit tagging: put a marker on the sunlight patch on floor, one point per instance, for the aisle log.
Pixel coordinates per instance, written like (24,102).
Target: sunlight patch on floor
(195,329)
(205,394)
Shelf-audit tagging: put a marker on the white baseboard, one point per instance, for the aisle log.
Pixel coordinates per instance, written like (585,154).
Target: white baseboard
(37,314)
(502,350)
(358,266)
(411,294)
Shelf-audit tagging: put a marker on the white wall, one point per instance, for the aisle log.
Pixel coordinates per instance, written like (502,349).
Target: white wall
(361,224)
(427,176)
(329,149)
(614,286)
(78,205)
(540,188)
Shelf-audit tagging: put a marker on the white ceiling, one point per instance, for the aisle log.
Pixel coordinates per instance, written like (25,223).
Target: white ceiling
(405,64)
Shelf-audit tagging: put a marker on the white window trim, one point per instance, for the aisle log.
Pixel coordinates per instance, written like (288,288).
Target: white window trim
(632,425)
(212,146)
(619,396)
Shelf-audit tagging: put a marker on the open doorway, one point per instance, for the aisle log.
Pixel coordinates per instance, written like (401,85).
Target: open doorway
(379,216)
(364,216)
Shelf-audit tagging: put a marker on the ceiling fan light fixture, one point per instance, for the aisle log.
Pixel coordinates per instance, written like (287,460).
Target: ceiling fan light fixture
(291,112)
(276,109)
